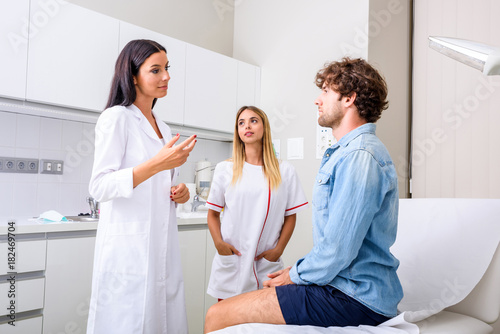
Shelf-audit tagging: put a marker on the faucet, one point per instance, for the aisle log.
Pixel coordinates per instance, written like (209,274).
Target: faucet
(196,203)
(94,207)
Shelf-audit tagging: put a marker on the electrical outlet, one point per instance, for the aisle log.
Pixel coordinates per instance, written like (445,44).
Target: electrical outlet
(51,166)
(18,165)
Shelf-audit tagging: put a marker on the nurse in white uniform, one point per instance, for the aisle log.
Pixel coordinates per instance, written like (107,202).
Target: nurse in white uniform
(137,284)
(260,197)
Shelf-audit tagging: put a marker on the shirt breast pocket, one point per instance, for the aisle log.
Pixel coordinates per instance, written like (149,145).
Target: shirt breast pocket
(321,192)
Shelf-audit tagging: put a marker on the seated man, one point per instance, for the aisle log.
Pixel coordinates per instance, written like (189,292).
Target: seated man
(349,277)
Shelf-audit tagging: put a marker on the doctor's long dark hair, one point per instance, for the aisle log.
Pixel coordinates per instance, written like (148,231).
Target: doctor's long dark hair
(133,55)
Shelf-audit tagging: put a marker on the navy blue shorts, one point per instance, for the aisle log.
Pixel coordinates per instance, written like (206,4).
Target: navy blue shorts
(323,306)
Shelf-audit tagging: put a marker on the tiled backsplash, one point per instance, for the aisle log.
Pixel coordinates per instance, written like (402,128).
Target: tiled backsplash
(39,137)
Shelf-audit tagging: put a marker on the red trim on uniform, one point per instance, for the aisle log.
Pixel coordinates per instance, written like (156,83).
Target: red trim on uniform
(256,249)
(298,206)
(215,205)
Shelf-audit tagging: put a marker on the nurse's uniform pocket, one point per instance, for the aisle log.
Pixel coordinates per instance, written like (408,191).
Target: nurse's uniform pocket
(265,267)
(225,271)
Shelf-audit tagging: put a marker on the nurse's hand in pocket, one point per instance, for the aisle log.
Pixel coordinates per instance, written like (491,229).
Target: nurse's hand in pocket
(223,248)
(271,255)
(179,193)
(171,156)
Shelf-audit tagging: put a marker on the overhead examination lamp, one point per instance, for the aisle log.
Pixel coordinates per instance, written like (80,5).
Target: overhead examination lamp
(483,57)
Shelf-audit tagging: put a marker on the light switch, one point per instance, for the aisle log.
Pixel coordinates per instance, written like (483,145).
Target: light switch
(51,166)
(295,148)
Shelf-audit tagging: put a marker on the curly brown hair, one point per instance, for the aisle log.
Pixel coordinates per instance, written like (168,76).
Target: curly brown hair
(356,76)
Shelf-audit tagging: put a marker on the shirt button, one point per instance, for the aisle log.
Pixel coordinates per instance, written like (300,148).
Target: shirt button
(328,155)
(319,181)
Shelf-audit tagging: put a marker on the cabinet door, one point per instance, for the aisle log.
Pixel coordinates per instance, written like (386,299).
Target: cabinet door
(30,325)
(28,294)
(247,78)
(211,89)
(29,255)
(68,283)
(192,243)
(71,55)
(14,18)
(171,107)
(210,253)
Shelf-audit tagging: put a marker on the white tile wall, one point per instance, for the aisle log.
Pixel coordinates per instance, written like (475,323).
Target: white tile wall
(40,137)
(205,149)
(8,129)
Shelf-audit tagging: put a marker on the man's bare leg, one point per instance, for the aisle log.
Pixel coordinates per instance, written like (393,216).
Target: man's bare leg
(260,306)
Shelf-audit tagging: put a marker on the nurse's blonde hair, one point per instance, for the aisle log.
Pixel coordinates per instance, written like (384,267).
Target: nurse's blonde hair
(271,166)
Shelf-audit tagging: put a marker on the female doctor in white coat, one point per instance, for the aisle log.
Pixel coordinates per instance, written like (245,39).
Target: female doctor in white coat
(137,284)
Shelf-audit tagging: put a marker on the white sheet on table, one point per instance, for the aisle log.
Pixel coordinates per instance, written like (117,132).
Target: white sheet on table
(397,325)
(444,246)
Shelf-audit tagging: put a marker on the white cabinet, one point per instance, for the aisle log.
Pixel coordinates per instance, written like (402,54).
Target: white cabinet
(14,45)
(171,107)
(29,254)
(248,76)
(193,247)
(70,257)
(23,286)
(209,258)
(28,326)
(211,90)
(28,294)
(71,55)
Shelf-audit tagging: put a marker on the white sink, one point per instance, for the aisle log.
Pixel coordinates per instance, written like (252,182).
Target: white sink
(191,215)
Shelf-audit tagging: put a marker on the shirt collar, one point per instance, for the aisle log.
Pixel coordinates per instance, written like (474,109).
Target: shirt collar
(350,136)
(145,125)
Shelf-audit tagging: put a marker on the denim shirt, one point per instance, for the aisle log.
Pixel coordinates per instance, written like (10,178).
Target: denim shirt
(355,213)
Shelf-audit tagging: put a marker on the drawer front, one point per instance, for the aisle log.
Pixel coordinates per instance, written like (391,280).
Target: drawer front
(31,326)
(29,256)
(26,294)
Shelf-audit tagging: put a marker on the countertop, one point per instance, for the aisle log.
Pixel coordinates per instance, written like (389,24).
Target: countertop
(24,225)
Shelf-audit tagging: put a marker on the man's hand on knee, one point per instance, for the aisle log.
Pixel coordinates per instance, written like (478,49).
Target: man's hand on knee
(281,277)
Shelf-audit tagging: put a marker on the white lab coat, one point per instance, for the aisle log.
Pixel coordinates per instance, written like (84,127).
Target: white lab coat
(137,284)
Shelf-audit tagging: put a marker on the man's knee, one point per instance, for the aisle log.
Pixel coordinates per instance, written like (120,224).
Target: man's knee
(211,314)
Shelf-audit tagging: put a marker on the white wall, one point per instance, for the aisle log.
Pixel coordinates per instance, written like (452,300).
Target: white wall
(291,41)
(455,108)
(389,50)
(205,23)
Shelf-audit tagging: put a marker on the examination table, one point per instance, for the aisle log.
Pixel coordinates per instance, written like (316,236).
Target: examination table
(449,269)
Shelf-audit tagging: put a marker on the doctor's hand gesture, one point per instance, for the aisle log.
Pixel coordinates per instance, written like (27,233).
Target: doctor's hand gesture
(171,156)
(168,157)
